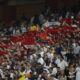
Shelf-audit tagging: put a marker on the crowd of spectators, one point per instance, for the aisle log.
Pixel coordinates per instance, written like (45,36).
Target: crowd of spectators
(45,47)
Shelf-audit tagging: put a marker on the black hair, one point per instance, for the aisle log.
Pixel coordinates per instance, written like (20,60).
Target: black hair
(22,69)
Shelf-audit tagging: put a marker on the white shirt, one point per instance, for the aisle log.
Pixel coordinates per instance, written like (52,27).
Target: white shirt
(55,79)
(41,17)
(8,66)
(63,64)
(74,45)
(54,72)
(23,29)
(17,32)
(32,20)
(76,49)
(41,61)
(11,75)
(47,67)
(11,28)
(28,71)
(77,69)
(56,23)
(57,62)
(50,55)
(42,54)
(63,52)
(14,31)
(46,24)
(26,79)
(1,72)
(45,49)
(78,75)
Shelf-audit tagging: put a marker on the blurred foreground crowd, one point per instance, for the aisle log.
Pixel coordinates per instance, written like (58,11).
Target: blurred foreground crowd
(45,47)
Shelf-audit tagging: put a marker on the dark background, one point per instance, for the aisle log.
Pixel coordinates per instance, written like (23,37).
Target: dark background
(12,9)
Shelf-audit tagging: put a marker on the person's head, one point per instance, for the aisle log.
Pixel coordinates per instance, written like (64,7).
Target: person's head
(77,44)
(22,69)
(28,67)
(51,77)
(53,65)
(50,70)
(39,65)
(33,68)
(49,60)
(58,69)
(35,48)
(44,73)
(44,21)
(41,49)
(39,56)
(62,73)
(45,56)
(61,58)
